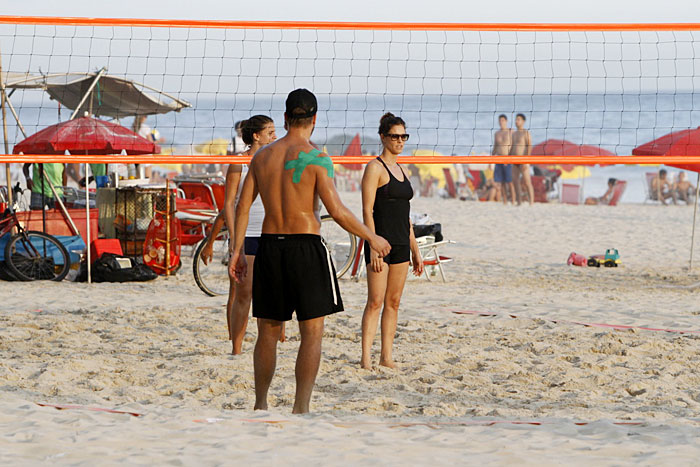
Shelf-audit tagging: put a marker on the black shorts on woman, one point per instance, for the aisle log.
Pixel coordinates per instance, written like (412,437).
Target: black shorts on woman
(391,211)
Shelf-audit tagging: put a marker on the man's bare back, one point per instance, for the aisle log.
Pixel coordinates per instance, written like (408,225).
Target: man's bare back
(290,207)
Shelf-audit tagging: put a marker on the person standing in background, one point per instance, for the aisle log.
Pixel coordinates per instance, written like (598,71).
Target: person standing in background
(145,131)
(54,174)
(503,173)
(521,145)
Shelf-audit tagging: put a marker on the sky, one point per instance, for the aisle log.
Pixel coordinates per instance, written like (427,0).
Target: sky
(371,10)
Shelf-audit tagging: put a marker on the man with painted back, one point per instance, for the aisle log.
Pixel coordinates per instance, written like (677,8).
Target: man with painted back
(293,270)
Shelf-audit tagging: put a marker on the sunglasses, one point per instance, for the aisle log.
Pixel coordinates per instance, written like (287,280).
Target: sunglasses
(395,137)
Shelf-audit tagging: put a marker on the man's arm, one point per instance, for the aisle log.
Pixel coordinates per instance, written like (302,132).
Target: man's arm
(248,195)
(343,216)
(528,143)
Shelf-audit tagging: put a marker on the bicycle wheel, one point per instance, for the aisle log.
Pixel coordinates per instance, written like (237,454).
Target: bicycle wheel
(212,278)
(341,244)
(32,256)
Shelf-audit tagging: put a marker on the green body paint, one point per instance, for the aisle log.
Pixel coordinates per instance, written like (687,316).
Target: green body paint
(308,158)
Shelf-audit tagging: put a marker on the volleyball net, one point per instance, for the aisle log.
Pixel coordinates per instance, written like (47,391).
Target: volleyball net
(613,87)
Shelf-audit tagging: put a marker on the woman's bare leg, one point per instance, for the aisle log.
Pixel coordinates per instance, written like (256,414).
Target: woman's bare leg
(229,306)
(241,308)
(376,289)
(390,314)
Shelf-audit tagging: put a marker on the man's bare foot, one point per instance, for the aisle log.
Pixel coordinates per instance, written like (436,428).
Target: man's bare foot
(260,406)
(366,363)
(299,410)
(388,363)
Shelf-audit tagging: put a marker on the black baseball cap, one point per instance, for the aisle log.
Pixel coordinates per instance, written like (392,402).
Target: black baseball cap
(301,103)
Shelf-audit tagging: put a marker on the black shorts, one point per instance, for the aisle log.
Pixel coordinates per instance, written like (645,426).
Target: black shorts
(398,254)
(251,245)
(294,273)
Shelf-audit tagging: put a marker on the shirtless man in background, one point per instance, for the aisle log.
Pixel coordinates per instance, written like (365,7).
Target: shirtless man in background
(522,146)
(503,173)
(293,269)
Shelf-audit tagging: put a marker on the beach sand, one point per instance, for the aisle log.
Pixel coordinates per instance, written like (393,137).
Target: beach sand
(160,349)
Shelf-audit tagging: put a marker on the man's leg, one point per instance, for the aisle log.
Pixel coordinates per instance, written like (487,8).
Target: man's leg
(265,359)
(308,361)
(525,171)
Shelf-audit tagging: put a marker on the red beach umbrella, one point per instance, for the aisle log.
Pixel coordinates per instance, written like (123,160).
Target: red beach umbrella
(678,143)
(86,135)
(562,147)
(354,149)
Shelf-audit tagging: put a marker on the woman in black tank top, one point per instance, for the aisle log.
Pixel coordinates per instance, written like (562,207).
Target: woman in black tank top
(386,195)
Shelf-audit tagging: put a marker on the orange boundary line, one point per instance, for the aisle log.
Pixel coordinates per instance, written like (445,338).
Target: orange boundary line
(206,159)
(189,23)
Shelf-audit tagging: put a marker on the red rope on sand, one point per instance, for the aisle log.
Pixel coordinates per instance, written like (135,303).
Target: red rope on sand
(580,323)
(84,407)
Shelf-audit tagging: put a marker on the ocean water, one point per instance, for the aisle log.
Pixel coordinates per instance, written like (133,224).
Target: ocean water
(449,124)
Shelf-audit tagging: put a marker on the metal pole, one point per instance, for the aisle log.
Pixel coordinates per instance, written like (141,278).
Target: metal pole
(3,98)
(88,92)
(167,227)
(87,211)
(695,213)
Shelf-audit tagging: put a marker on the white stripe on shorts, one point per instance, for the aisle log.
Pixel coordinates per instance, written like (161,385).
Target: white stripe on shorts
(330,272)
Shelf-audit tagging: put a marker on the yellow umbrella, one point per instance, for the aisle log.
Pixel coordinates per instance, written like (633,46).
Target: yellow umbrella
(215,147)
(578,172)
(434,170)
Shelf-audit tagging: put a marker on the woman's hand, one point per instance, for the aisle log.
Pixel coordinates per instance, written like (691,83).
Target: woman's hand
(417,262)
(375,261)
(237,266)
(207,252)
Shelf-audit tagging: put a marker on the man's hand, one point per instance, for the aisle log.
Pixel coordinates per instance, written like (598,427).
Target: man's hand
(238,266)
(380,245)
(30,184)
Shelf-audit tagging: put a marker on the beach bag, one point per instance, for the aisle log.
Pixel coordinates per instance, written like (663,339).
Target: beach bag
(429,229)
(116,268)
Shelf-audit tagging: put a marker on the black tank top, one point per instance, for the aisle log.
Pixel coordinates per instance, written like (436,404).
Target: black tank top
(392,209)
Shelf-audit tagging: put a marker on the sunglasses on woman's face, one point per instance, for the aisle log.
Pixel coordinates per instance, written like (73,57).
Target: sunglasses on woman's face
(396,137)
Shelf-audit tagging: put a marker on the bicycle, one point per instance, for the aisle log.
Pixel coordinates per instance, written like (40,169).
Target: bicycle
(32,255)
(213,279)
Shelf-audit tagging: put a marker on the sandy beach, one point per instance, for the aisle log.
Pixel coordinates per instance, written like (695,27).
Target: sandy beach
(159,349)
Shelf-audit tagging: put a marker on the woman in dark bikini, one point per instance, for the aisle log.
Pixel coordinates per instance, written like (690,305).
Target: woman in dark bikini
(386,195)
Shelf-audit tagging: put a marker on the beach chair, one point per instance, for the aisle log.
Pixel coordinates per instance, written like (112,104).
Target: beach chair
(540,188)
(648,178)
(618,191)
(432,259)
(570,193)
(450,183)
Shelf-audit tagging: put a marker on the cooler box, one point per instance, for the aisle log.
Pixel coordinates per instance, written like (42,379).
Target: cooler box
(56,223)
(105,245)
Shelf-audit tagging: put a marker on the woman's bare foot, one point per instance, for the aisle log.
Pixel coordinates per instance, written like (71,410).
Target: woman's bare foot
(366,363)
(389,363)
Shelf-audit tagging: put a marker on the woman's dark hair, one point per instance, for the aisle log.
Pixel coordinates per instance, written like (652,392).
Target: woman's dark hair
(387,121)
(612,181)
(253,125)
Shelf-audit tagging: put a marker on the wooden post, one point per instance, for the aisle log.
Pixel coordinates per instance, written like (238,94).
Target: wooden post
(695,213)
(8,172)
